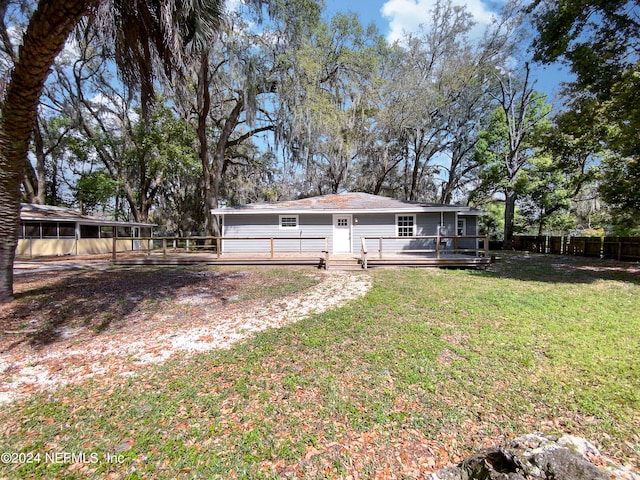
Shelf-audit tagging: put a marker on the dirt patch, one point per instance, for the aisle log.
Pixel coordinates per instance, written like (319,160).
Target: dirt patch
(67,326)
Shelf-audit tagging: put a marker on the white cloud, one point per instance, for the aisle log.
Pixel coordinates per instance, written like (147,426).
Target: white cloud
(405,16)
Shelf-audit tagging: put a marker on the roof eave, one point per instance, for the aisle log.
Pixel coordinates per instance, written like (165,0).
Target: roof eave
(293,211)
(87,221)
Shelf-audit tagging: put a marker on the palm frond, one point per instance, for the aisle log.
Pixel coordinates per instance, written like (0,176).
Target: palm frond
(153,40)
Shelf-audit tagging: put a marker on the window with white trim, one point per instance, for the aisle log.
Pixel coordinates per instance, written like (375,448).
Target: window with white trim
(405,225)
(462,226)
(289,221)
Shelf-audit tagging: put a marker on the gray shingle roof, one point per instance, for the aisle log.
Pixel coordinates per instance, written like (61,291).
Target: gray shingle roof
(356,202)
(50,213)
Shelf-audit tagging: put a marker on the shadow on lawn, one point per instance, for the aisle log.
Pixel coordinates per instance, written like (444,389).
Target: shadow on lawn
(562,269)
(98,300)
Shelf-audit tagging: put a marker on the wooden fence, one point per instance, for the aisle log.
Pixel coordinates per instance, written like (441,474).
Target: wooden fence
(618,248)
(621,248)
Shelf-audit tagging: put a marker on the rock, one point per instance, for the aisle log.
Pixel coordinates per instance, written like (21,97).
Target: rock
(231,298)
(487,464)
(538,457)
(563,464)
(579,445)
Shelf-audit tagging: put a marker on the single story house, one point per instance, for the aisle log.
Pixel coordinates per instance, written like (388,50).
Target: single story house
(339,222)
(48,230)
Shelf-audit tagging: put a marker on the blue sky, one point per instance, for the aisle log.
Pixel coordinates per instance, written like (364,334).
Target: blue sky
(395,16)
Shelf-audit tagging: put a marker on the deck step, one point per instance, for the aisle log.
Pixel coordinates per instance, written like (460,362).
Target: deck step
(344,264)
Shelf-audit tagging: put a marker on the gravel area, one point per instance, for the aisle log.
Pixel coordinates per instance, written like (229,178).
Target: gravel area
(197,321)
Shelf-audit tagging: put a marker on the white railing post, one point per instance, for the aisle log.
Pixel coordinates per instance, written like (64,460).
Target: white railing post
(363,252)
(326,253)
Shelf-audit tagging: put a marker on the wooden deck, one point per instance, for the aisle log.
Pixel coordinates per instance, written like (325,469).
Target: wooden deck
(334,262)
(176,251)
(452,260)
(202,258)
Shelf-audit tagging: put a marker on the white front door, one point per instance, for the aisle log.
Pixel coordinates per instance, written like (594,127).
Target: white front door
(342,234)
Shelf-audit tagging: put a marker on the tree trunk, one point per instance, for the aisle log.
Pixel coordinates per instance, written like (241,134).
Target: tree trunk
(447,193)
(218,168)
(41,183)
(204,107)
(413,193)
(509,215)
(46,35)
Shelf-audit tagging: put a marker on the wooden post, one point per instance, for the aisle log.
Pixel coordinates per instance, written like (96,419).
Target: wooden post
(113,248)
(438,246)
(619,249)
(187,245)
(326,253)
(164,247)
(149,246)
(364,252)
(218,246)
(380,248)
(486,246)
(271,246)
(455,244)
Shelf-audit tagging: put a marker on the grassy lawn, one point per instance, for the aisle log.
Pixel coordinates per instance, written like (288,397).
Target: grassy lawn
(427,367)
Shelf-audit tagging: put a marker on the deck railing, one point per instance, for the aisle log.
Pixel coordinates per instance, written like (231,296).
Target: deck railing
(214,245)
(443,245)
(363,252)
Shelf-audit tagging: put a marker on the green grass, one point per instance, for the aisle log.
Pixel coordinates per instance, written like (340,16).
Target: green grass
(427,367)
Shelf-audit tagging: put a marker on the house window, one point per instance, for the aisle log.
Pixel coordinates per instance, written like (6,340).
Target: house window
(49,230)
(31,230)
(124,231)
(289,221)
(89,231)
(343,222)
(67,230)
(406,225)
(106,231)
(462,226)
